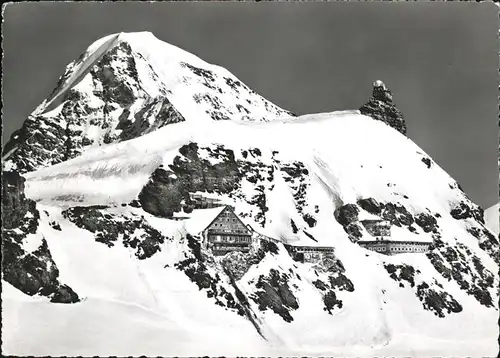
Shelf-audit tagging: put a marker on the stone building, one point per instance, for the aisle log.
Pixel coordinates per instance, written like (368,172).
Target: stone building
(227,233)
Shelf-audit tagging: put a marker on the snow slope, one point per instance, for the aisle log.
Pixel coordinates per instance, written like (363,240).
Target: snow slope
(491,216)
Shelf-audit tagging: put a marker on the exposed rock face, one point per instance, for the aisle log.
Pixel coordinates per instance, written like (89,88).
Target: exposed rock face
(380,107)
(102,105)
(398,215)
(236,264)
(32,272)
(371,205)
(109,228)
(14,203)
(275,293)
(337,280)
(451,261)
(427,222)
(163,195)
(347,216)
(465,211)
(487,241)
(433,297)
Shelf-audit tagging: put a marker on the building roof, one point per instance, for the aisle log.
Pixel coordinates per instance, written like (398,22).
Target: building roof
(393,242)
(200,219)
(378,221)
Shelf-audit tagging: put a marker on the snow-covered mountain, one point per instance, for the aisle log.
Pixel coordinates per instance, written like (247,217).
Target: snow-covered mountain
(123,86)
(113,230)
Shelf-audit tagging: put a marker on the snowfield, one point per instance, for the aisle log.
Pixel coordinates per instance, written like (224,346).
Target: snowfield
(130,330)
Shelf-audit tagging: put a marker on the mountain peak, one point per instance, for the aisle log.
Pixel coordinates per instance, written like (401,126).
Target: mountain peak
(123,86)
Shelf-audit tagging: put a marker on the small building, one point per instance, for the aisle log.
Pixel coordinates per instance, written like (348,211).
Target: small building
(377,228)
(226,233)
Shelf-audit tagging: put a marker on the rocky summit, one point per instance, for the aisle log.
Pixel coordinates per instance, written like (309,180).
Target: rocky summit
(381,107)
(155,205)
(122,87)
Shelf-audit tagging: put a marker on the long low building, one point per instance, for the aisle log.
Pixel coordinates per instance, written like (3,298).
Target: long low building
(382,242)
(392,247)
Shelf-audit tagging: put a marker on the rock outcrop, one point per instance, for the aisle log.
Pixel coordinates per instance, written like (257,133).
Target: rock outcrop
(14,203)
(381,107)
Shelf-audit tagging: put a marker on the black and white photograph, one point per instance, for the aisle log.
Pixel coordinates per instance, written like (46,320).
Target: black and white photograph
(232,178)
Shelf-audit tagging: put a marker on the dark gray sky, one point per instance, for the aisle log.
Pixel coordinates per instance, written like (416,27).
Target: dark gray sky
(439,60)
